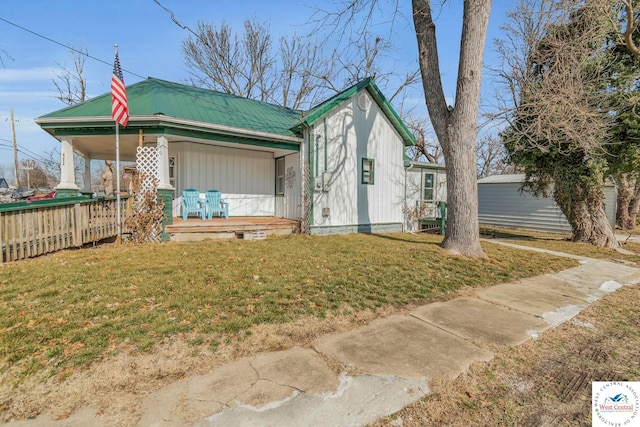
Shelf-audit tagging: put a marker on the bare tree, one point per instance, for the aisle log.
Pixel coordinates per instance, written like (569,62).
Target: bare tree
(491,157)
(35,176)
(455,125)
(560,117)
(70,82)
(298,76)
(427,146)
(363,57)
(302,63)
(627,25)
(249,66)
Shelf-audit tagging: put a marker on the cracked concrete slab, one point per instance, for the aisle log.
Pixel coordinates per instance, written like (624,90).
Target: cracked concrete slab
(592,274)
(548,283)
(475,319)
(528,299)
(252,381)
(403,346)
(358,401)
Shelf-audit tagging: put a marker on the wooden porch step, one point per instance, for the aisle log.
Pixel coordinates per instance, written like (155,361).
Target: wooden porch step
(233,225)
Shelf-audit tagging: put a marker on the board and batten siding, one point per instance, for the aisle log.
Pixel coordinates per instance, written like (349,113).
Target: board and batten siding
(351,135)
(244,177)
(289,205)
(501,204)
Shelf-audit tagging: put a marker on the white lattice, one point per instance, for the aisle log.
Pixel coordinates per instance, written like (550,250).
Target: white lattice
(148,167)
(147,164)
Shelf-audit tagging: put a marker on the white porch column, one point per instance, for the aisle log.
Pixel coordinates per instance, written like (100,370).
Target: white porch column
(86,178)
(162,144)
(67,170)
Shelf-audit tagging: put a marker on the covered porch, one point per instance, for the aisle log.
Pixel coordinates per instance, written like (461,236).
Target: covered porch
(199,139)
(245,227)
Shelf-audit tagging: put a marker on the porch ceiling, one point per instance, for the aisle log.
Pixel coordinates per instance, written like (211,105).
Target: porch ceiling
(103,147)
(94,137)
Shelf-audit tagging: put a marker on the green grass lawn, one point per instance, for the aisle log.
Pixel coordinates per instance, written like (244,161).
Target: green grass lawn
(71,308)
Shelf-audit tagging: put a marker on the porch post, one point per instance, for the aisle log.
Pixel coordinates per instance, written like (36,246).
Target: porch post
(67,186)
(165,189)
(86,178)
(162,145)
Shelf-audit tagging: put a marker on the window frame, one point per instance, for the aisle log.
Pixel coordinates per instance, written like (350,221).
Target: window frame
(173,165)
(432,188)
(280,183)
(369,170)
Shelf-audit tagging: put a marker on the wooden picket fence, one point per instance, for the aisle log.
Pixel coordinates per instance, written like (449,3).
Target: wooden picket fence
(31,229)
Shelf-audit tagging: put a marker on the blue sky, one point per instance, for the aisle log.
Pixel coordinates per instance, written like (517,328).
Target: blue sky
(150,45)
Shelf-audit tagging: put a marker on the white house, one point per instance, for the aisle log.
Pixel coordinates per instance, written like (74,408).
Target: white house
(425,188)
(339,167)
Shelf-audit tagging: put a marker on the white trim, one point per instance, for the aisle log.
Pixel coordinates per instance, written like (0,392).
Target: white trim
(162,145)
(67,165)
(175,120)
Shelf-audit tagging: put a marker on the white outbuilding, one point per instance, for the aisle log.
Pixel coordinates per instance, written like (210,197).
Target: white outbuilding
(501,203)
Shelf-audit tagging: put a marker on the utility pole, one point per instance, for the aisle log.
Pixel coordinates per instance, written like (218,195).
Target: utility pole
(15,149)
(28,165)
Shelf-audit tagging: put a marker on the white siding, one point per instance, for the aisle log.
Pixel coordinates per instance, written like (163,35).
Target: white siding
(293,187)
(502,204)
(414,190)
(353,134)
(246,178)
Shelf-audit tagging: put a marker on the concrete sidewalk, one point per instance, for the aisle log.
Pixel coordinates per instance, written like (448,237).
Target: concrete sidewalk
(387,364)
(390,361)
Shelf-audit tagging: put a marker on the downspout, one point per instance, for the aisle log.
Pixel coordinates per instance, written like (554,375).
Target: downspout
(325,144)
(309,186)
(405,189)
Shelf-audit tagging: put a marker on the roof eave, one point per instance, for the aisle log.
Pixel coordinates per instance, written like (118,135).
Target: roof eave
(422,165)
(368,84)
(52,123)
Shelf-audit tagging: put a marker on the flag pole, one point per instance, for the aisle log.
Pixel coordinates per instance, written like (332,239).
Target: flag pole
(119,220)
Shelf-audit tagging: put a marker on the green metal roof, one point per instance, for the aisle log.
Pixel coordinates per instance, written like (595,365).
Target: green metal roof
(155,96)
(320,110)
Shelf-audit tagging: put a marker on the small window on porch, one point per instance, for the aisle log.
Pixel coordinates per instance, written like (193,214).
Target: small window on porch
(172,171)
(429,186)
(280,175)
(368,171)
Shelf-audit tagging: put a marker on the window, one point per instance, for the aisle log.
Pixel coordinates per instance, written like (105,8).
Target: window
(172,171)
(368,169)
(280,175)
(429,185)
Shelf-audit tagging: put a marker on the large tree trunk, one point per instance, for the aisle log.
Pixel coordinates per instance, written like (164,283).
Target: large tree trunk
(628,201)
(634,208)
(456,126)
(625,195)
(584,208)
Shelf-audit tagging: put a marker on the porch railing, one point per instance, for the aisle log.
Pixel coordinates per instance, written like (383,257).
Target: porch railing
(30,229)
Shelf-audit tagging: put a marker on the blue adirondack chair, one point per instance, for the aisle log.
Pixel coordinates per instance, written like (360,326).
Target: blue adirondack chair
(216,204)
(191,203)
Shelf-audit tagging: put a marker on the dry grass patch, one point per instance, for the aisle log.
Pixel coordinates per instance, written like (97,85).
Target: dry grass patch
(177,308)
(546,381)
(563,243)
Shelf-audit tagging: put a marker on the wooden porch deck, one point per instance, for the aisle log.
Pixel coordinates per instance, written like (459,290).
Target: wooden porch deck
(235,227)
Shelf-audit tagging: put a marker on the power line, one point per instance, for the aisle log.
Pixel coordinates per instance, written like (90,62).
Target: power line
(80,52)
(175,20)
(26,151)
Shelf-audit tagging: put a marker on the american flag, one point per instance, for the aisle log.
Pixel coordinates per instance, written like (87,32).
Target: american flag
(119,106)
